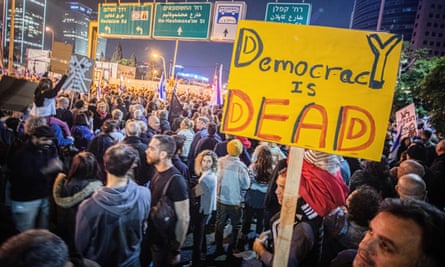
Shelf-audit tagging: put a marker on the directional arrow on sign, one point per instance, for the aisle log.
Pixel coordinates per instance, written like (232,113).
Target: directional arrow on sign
(139,30)
(107,29)
(225,32)
(195,25)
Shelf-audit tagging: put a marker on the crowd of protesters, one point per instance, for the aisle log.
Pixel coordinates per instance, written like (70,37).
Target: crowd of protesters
(91,170)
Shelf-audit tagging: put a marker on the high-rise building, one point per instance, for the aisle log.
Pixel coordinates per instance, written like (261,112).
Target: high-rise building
(75,23)
(429,27)
(398,16)
(101,48)
(29,26)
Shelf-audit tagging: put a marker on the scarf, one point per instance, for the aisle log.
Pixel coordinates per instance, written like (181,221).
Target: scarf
(322,190)
(103,115)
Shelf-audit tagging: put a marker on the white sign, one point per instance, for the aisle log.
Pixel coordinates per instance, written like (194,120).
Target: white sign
(406,120)
(80,74)
(226,18)
(109,69)
(38,61)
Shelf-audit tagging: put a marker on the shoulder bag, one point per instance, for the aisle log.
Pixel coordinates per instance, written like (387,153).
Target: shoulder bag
(163,214)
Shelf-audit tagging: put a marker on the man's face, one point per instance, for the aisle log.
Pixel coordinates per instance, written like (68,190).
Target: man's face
(390,242)
(43,143)
(154,123)
(401,169)
(281,182)
(153,152)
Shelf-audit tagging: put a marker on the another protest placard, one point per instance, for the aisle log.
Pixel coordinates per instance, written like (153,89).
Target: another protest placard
(406,121)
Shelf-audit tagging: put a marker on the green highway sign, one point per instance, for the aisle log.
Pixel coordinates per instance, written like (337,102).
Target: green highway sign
(182,20)
(293,13)
(125,20)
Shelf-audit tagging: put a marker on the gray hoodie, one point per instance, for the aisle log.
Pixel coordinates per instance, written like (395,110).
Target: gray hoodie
(110,225)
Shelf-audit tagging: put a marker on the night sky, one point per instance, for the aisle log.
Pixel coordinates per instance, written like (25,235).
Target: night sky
(201,57)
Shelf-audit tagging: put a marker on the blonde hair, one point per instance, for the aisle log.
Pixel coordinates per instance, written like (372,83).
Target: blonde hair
(103,103)
(188,123)
(201,155)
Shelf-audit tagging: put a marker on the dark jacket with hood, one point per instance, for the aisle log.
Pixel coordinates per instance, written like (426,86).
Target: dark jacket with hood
(110,225)
(68,195)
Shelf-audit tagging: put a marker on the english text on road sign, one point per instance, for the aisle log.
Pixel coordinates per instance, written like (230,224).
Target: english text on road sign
(182,20)
(125,20)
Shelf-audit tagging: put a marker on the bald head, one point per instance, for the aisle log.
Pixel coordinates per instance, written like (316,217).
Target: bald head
(410,166)
(411,186)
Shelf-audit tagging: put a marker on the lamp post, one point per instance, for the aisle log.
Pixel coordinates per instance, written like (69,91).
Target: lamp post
(163,63)
(11,40)
(48,29)
(379,20)
(174,60)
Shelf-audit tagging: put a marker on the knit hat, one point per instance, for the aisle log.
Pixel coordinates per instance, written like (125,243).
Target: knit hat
(328,162)
(234,147)
(43,131)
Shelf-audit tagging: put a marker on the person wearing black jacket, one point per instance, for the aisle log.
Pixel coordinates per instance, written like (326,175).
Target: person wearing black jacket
(33,169)
(144,171)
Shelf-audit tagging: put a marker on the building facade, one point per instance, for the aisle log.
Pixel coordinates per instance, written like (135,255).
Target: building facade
(75,23)
(398,16)
(429,27)
(101,48)
(29,25)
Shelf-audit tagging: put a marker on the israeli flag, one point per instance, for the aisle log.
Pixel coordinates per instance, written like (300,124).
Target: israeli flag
(161,88)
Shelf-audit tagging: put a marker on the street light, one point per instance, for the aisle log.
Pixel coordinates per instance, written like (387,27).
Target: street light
(163,63)
(48,29)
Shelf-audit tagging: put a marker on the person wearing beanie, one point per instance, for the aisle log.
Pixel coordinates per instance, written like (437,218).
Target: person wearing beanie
(33,169)
(221,150)
(233,180)
(234,148)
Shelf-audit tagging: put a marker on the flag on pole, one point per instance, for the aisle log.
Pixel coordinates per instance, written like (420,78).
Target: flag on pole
(217,86)
(161,88)
(98,91)
(121,89)
(395,145)
(175,107)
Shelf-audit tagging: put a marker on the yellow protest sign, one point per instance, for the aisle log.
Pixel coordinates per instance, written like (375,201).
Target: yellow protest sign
(314,87)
